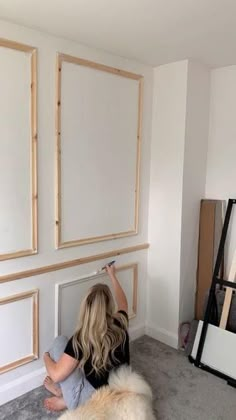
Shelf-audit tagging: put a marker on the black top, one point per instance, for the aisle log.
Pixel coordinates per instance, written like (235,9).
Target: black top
(121,354)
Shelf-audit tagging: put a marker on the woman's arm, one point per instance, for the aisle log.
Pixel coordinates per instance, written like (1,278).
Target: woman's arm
(119,292)
(58,371)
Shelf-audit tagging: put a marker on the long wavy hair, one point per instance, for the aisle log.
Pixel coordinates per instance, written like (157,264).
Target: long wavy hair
(98,333)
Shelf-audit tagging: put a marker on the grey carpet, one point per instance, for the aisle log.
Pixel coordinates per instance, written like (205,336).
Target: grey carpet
(181,391)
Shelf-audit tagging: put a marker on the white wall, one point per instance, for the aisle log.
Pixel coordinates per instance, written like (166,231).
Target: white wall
(24,378)
(178,170)
(192,157)
(221,166)
(194,178)
(165,211)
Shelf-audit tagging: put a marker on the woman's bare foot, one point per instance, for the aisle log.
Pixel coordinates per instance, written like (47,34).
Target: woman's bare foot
(52,387)
(55,404)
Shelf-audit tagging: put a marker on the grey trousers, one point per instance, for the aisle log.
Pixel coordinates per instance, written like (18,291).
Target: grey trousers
(75,388)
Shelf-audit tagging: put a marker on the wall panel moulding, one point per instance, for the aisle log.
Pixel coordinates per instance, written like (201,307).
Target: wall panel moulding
(98,132)
(19,330)
(18,150)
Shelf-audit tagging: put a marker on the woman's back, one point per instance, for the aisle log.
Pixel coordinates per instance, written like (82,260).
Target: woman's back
(99,345)
(120,356)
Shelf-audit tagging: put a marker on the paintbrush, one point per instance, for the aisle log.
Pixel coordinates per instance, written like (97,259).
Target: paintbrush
(103,268)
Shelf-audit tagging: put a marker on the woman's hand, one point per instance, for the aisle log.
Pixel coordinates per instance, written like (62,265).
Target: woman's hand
(121,299)
(60,370)
(111,270)
(45,356)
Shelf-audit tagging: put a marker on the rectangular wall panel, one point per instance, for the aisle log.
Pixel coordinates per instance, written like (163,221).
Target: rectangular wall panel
(98,152)
(69,296)
(18,330)
(18,137)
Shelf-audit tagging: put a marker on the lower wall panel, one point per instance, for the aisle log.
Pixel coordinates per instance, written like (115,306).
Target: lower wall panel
(53,315)
(69,295)
(19,330)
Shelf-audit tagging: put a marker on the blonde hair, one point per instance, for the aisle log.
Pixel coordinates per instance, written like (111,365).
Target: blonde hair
(98,334)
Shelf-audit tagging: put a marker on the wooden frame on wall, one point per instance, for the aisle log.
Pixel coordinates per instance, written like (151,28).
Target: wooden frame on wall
(133,310)
(58,217)
(34,294)
(33,152)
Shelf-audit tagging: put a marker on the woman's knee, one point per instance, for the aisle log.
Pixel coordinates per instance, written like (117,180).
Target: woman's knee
(58,347)
(61,340)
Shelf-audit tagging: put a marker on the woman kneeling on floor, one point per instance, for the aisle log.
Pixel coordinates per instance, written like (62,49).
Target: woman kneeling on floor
(76,368)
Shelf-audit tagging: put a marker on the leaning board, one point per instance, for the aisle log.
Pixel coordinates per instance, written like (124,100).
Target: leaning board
(219,349)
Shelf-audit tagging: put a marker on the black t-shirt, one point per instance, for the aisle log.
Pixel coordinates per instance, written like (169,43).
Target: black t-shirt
(121,355)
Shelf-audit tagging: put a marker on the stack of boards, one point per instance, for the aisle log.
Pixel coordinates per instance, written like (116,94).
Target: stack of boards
(219,346)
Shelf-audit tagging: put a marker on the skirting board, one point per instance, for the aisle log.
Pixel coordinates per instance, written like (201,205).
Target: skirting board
(26,383)
(162,335)
(219,349)
(21,385)
(136,332)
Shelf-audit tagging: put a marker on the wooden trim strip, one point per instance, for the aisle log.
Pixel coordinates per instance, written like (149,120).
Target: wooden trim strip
(228,295)
(72,263)
(17,363)
(34,147)
(69,244)
(17,254)
(18,296)
(58,154)
(135,295)
(35,316)
(16,45)
(138,158)
(98,66)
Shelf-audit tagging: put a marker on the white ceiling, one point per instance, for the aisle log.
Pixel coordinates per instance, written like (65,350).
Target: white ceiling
(151,31)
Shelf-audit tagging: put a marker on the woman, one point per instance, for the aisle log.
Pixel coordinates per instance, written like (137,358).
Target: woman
(76,368)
